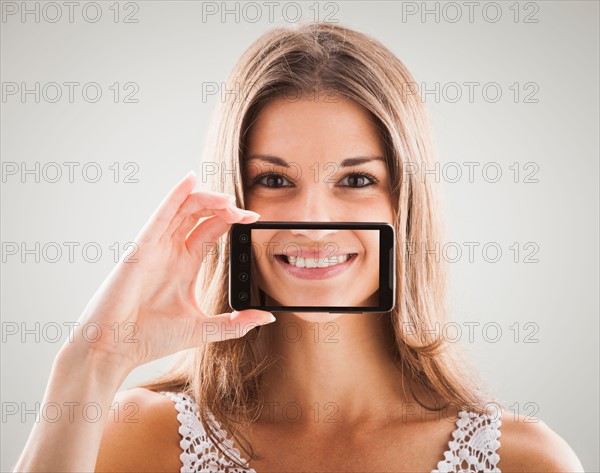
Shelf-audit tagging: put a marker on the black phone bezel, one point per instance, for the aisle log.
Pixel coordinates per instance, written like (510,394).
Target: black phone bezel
(387,267)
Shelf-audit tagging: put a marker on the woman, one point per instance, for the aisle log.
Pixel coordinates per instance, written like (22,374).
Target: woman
(324,128)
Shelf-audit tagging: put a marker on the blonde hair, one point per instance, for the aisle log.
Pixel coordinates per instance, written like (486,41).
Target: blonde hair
(321,57)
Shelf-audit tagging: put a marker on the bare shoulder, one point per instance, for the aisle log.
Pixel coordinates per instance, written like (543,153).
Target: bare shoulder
(527,444)
(141,434)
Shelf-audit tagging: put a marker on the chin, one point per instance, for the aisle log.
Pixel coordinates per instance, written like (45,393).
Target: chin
(321,317)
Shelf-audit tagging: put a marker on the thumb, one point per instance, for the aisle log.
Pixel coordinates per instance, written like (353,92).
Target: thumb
(229,325)
(248,319)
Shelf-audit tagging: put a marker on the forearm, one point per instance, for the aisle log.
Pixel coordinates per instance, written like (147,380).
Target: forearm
(83,384)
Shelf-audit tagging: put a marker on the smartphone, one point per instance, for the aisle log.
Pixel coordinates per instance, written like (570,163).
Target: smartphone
(334,267)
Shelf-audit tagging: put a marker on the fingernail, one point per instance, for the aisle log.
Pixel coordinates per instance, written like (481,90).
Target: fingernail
(270,318)
(250,212)
(245,212)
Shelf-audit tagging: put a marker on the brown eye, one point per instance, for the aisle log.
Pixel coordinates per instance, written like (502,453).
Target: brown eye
(269,180)
(358,179)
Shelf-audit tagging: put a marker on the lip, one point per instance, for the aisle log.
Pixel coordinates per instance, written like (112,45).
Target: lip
(307,253)
(316,273)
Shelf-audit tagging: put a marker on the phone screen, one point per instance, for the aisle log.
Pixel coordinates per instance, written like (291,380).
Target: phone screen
(312,266)
(315,267)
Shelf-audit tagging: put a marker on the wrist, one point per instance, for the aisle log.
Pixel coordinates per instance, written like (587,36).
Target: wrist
(81,360)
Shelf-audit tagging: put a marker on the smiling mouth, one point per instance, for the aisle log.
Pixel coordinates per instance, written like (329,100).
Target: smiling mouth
(311,262)
(315,269)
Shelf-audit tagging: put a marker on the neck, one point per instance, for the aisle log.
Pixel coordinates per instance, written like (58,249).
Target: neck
(341,368)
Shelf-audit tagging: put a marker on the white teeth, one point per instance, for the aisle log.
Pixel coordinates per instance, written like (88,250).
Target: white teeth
(301,262)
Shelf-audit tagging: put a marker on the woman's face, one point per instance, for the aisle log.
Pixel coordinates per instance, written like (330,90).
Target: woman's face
(304,162)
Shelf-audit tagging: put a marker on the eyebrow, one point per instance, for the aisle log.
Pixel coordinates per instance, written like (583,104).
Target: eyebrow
(344,163)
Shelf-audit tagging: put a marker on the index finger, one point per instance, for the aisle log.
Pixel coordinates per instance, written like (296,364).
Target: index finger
(160,220)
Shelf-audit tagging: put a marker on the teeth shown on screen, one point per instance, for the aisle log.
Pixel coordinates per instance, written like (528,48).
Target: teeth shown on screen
(301,262)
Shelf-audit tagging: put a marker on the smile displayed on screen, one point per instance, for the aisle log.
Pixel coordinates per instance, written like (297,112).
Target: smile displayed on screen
(315,267)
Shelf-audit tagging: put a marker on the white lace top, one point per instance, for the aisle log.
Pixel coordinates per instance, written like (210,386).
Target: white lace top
(471,450)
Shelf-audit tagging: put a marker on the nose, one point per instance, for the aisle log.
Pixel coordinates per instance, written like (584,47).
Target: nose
(314,204)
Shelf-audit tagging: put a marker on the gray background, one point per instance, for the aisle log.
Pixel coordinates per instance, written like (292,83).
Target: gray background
(548,368)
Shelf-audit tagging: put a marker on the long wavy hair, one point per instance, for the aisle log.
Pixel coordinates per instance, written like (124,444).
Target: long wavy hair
(224,378)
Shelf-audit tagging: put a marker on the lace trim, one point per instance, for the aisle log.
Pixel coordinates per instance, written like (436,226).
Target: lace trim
(472,450)
(199,454)
(474,446)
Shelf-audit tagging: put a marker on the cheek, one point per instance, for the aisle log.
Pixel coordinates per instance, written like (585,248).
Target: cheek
(261,239)
(260,205)
(375,210)
(370,242)
(385,211)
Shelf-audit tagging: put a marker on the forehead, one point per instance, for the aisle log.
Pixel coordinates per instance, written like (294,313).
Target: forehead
(332,126)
